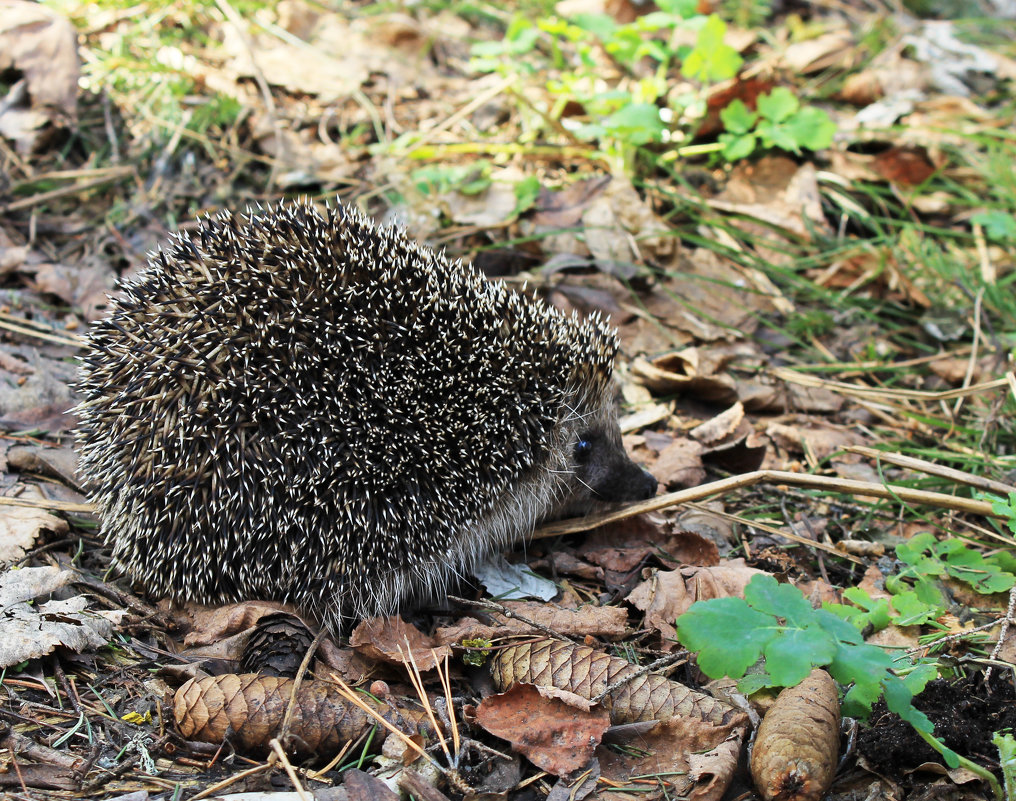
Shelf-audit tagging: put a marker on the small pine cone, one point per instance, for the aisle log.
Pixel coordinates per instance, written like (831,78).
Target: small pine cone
(277,646)
(585,672)
(797,745)
(249,709)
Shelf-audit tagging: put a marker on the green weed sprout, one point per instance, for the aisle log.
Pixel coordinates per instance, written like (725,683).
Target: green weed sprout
(780,122)
(621,118)
(1006,746)
(776,625)
(917,597)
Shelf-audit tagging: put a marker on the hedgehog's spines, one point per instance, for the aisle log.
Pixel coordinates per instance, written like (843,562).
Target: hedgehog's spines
(303,389)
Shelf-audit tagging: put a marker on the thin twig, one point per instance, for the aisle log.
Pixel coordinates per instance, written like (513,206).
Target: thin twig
(288,767)
(829,483)
(777,532)
(662,662)
(287,720)
(932,469)
(958,635)
(236,777)
(44,197)
(1004,632)
(493,606)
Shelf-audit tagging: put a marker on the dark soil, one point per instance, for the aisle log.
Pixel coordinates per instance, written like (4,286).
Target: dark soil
(966,713)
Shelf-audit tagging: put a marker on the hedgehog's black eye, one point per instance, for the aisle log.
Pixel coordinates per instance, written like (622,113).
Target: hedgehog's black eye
(583,449)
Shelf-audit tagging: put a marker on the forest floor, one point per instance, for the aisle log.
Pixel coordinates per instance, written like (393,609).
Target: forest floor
(800,217)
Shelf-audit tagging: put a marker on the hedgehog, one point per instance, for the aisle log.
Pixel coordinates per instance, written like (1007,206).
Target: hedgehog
(299,406)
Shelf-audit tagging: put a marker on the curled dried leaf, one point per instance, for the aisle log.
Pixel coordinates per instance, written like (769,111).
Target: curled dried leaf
(585,672)
(798,742)
(550,731)
(250,708)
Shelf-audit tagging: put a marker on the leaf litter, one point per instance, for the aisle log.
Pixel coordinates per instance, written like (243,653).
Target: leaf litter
(790,312)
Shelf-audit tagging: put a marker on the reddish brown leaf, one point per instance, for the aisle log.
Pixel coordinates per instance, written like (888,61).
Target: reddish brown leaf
(388,638)
(555,736)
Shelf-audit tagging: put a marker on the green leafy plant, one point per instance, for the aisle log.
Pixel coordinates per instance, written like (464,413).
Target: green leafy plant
(998,225)
(711,59)
(866,611)
(527,192)
(775,627)
(477,651)
(917,596)
(776,623)
(650,48)
(1006,507)
(926,556)
(520,38)
(779,122)
(1006,745)
(747,13)
(469,179)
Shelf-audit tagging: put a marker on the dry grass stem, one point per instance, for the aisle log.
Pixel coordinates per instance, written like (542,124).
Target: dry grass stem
(446,684)
(53,506)
(281,755)
(350,695)
(881,393)
(417,681)
(26,328)
(932,469)
(723,486)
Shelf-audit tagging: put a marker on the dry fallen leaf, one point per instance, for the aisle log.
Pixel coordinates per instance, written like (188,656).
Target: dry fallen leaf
(19,528)
(206,625)
(39,56)
(667,594)
(767,196)
(720,426)
(555,734)
(493,207)
(85,286)
(587,620)
(816,439)
(679,464)
(835,49)
(613,220)
(680,373)
(34,627)
(685,761)
(387,638)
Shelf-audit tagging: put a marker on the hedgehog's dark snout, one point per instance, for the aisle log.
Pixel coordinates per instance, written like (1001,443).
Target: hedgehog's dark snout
(639,483)
(626,482)
(602,466)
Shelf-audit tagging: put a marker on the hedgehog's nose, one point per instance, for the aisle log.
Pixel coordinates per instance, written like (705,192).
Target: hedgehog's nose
(648,488)
(627,482)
